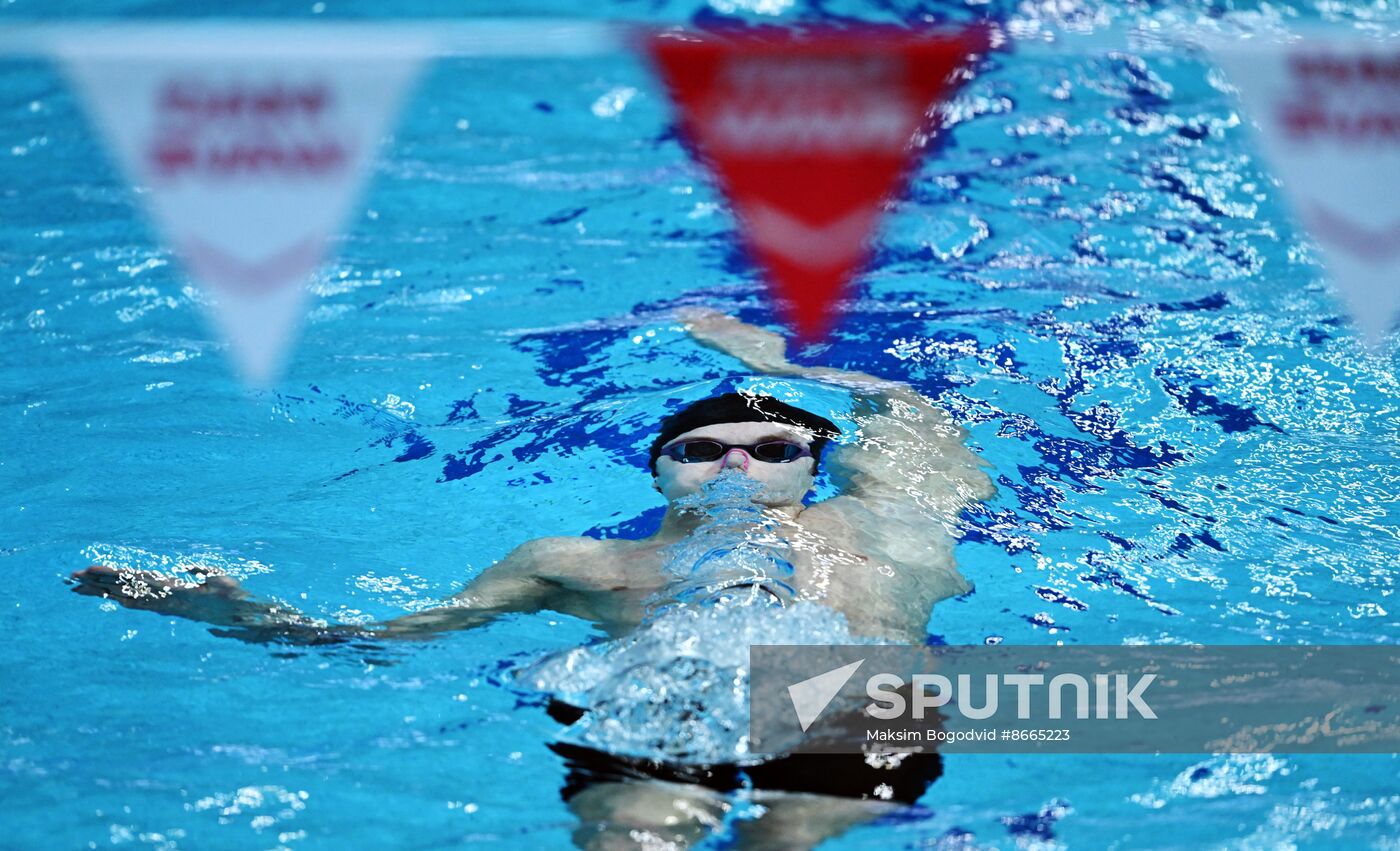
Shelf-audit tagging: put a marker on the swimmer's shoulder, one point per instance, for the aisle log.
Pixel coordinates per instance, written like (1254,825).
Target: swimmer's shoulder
(539,555)
(579,562)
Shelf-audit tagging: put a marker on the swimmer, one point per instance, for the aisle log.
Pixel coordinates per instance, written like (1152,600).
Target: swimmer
(880,553)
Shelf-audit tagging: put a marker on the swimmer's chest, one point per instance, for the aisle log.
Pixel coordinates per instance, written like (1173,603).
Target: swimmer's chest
(883,585)
(832,566)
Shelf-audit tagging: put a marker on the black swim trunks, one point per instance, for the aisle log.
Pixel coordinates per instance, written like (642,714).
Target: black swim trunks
(902,779)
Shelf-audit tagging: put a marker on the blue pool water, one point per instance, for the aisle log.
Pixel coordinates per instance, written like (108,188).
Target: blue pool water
(1097,277)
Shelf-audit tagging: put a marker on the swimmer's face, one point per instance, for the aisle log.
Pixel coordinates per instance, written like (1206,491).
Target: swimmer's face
(784,484)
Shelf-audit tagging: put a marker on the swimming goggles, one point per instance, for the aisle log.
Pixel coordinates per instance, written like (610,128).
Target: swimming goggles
(703,451)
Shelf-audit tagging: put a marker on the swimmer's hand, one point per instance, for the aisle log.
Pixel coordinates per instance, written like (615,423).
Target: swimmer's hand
(766,351)
(760,350)
(209,597)
(206,596)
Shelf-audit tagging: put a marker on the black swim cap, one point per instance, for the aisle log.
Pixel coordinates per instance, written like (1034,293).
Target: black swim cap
(742,408)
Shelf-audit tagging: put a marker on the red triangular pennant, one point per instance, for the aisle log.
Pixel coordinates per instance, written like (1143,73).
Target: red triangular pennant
(808,136)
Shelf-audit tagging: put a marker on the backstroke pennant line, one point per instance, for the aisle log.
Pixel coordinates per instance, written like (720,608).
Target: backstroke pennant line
(254,144)
(1328,111)
(809,135)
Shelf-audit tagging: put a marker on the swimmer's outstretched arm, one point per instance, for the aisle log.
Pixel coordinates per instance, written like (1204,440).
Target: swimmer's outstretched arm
(766,351)
(906,447)
(512,585)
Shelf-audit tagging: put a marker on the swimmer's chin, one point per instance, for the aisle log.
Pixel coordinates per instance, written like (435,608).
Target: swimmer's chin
(761,499)
(776,500)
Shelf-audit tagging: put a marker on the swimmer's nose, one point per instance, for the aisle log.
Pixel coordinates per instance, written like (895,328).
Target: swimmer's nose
(736,458)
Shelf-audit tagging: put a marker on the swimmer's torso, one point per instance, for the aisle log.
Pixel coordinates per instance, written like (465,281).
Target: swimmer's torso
(885,587)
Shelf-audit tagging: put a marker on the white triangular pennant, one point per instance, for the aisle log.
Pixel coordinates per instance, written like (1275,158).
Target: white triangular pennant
(1328,108)
(253,144)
